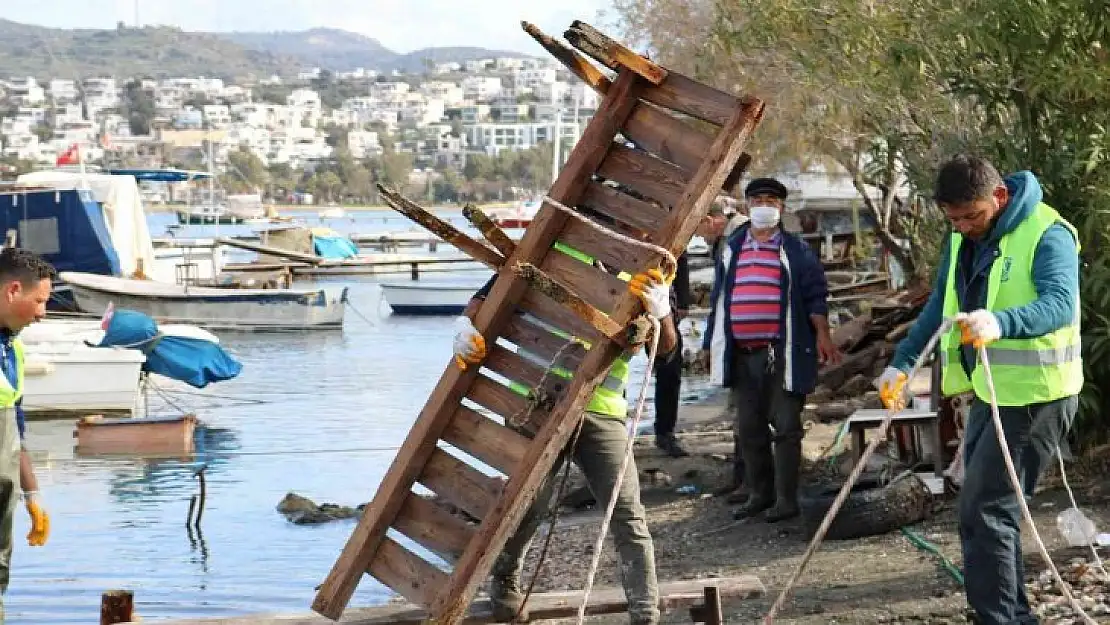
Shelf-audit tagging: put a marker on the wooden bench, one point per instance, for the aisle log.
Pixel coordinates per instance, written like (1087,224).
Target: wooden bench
(870,418)
(702,597)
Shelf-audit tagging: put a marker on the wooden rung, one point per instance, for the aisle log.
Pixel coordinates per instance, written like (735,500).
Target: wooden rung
(615,255)
(645,174)
(411,576)
(494,444)
(555,314)
(528,335)
(434,527)
(498,398)
(513,366)
(668,137)
(599,288)
(461,484)
(549,287)
(644,216)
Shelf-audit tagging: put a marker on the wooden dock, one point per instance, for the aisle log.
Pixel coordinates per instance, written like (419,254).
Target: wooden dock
(702,598)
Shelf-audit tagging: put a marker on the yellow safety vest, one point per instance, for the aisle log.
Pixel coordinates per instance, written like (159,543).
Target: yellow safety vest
(608,399)
(8,395)
(1025,371)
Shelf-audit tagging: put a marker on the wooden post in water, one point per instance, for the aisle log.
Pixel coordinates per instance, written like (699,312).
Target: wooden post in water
(117,606)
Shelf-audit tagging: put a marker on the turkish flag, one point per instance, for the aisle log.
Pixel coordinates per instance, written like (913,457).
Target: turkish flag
(72,156)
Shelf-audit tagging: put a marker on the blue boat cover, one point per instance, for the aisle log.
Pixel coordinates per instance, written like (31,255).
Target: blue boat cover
(161,175)
(194,361)
(338,247)
(66,227)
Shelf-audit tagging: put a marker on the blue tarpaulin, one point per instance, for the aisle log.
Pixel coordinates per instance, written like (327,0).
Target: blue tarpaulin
(337,247)
(194,361)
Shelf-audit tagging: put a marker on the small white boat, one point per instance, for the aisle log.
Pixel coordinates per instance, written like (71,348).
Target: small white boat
(211,307)
(428,298)
(334,212)
(64,375)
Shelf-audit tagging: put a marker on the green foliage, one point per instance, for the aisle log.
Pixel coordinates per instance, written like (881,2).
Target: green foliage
(1025,83)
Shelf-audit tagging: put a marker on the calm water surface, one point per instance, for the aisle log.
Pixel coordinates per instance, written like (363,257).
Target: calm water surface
(316,413)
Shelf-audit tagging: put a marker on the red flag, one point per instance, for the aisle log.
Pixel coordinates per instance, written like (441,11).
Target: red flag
(72,156)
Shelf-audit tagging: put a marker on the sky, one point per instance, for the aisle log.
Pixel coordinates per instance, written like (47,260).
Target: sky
(401,25)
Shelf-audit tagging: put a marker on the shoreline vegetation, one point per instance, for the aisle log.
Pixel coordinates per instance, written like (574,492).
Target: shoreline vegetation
(315,208)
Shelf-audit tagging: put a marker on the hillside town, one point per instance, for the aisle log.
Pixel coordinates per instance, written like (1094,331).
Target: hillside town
(422,127)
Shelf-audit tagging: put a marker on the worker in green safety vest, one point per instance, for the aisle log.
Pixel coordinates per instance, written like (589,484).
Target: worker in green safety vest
(25,283)
(598,452)
(1009,273)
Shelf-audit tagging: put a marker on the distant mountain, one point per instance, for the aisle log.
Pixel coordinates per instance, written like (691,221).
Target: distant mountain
(340,50)
(162,52)
(27,50)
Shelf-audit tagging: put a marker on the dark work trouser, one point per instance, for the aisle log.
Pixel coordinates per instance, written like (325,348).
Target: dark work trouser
(761,401)
(599,452)
(990,515)
(668,391)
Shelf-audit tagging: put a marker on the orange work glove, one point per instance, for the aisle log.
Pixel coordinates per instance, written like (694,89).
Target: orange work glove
(40,521)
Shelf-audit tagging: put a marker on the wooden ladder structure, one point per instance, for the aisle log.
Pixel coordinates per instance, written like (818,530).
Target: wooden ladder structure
(689,142)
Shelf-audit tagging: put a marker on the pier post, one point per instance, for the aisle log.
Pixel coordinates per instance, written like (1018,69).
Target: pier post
(117,606)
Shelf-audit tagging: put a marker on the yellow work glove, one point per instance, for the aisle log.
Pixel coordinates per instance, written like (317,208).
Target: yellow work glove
(892,388)
(978,328)
(40,521)
(469,346)
(654,291)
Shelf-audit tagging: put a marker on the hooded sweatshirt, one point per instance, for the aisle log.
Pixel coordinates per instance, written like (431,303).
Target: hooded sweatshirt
(1055,276)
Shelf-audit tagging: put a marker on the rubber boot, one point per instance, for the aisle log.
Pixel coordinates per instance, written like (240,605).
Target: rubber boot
(760,478)
(788,458)
(507,599)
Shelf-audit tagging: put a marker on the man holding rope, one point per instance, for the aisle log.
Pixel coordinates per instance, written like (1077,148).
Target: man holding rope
(598,450)
(1009,274)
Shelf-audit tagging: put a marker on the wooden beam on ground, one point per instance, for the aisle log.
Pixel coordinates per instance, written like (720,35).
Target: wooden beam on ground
(440,228)
(673,596)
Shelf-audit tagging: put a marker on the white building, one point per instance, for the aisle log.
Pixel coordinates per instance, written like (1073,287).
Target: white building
(363,143)
(63,90)
(449,92)
(27,92)
(481,88)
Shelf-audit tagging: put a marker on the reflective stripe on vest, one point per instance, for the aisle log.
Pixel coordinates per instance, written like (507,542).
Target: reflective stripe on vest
(1025,371)
(8,395)
(608,398)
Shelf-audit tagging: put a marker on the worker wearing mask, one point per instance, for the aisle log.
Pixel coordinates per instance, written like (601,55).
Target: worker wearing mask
(1009,274)
(25,284)
(769,309)
(598,452)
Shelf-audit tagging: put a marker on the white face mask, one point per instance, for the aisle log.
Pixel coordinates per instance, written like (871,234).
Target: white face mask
(764,216)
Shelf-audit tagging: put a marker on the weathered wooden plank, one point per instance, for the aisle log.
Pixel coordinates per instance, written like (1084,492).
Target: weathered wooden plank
(512,366)
(432,526)
(440,228)
(461,484)
(411,576)
(542,606)
(668,137)
(451,605)
(560,293)
(645,174)
(485,439)
(599,288)
(615,255)
(491,231)
(676,92)
(616,55)
(558,316)
(527,334)
(644,216)
(496,397)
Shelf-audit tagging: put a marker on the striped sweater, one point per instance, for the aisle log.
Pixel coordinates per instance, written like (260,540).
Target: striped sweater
(755,304)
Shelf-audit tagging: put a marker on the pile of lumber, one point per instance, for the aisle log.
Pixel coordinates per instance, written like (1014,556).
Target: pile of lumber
(867,342)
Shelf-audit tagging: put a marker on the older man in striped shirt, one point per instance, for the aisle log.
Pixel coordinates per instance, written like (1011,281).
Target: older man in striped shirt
(769,310)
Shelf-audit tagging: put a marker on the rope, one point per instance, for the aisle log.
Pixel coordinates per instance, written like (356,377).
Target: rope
(600,543)
(672,263)
(880,436)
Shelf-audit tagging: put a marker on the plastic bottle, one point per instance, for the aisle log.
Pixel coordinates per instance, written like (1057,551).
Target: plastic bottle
(1076,528)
